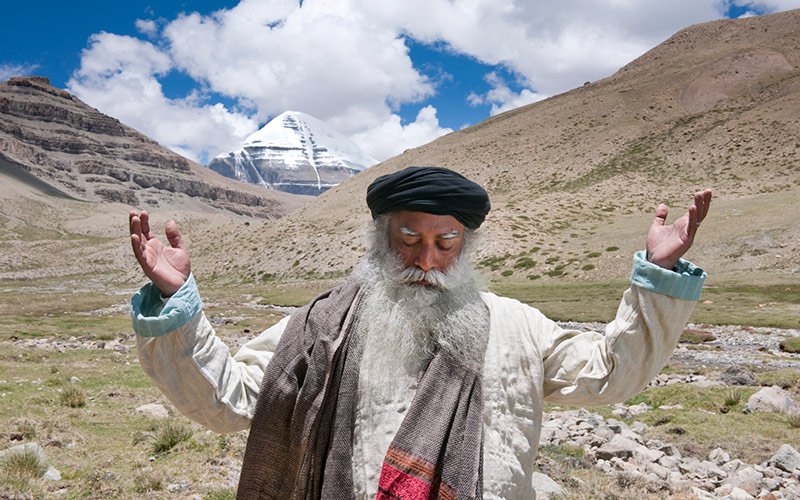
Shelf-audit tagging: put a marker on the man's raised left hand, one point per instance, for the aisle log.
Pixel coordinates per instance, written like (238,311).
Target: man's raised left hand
(667,243)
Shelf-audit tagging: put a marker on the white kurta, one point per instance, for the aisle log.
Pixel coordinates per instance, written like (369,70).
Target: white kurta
(529,359)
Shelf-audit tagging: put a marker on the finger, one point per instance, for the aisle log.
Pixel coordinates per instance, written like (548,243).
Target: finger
(699,203)
(137,240)
(173,235)
(131,215)
(138,251)
(661,215)
(146,225)
(706,205)
(692,228)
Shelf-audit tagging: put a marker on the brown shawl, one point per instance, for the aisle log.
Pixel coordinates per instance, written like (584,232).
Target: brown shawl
(300,443)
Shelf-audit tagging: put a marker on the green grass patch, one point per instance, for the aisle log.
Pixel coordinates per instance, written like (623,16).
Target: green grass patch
(693,336)
(524,263)
(775,305)
(784,378)
(791,345)
(567,301)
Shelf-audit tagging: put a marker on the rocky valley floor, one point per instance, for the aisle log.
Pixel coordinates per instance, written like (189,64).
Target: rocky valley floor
(719,422)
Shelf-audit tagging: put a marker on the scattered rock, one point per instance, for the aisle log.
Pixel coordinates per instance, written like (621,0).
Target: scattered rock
(153,410)
(658,463)
(738,375)
(546,487)
(719,456)
(52,474)
(772,399)
(787,459)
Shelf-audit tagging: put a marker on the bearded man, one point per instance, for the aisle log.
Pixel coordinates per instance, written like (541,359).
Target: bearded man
(408,381)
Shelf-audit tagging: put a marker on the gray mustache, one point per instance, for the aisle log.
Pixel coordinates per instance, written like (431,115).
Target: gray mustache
(434,277)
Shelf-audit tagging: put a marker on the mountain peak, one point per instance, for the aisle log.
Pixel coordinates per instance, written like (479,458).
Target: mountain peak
(296,153)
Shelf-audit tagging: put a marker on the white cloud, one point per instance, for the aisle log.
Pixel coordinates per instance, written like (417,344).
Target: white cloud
(391,137)
(118,75)
(8,70)
(768,5)
(501,97)
(147,27)
(346,62)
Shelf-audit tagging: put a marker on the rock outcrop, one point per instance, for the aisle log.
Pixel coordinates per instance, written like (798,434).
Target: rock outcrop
(58,144)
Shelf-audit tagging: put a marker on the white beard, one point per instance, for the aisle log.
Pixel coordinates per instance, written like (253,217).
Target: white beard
(404,324)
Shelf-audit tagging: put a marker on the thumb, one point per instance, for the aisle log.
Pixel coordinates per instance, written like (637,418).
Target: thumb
(661,215)
(173,235)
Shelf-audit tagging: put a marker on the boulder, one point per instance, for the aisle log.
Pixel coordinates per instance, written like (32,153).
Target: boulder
(786,459)
(719,456)
(747,479)
(740,494)
(702,494)
(546,487)
(618,446)
(773,399)
(738,375)
(153,410)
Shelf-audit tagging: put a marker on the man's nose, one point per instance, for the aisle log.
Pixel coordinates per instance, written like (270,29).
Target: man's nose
(426,259)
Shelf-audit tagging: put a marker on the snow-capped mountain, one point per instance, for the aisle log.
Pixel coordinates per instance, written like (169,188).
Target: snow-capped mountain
(296,153)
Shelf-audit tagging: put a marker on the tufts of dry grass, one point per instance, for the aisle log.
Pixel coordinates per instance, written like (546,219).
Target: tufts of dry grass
(73,396)
(170,434)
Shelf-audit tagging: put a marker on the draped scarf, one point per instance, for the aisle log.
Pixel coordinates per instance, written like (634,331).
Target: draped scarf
(300,442)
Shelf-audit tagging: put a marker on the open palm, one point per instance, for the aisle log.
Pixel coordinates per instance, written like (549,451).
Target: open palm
(167,267)
(667,243)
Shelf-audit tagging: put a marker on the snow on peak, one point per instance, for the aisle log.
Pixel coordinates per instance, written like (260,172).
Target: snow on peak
(294,152)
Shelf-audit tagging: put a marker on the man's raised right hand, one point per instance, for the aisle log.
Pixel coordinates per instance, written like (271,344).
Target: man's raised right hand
(167,267)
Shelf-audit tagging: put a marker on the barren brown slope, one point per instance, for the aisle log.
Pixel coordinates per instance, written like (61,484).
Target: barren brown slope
(49,134)
(69,175)
(574,178)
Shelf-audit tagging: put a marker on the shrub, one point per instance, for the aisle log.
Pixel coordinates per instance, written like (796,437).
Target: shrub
(524,263)
(534,276)
(73,396)
(732,398)
(592,255)
(146,482)
(791,345)
(27,461)
(507,272)
(224,494)
(587,267)
(170,434)
(612,249)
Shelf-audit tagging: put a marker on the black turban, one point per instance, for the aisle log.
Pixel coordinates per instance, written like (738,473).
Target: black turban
(432,190)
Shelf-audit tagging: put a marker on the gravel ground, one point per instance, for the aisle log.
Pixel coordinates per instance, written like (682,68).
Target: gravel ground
(735,345)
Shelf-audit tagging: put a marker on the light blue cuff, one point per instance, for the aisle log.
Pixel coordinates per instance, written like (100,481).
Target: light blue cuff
(154,316)
(685,282)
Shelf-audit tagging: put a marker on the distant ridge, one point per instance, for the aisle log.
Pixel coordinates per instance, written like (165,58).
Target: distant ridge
(295,153)
(81,153)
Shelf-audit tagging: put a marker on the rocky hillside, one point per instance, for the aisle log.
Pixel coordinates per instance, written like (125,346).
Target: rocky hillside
(56,142)
(574,178)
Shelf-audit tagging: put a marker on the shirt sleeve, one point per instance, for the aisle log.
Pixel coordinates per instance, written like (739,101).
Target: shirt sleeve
(589,368)
(178,349)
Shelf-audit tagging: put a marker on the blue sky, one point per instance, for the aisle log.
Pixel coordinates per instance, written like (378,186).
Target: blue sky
(201,76)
